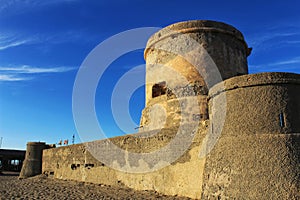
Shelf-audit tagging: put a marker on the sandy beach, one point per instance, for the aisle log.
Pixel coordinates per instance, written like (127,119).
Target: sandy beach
(41,187)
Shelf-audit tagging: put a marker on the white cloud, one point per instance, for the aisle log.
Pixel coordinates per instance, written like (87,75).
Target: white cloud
(21,73)
(260,40)
(274,37)
(23,5)
(6,45)
(293,42)
(9,39)
(286,62)
(26,69)
(7,77)
(291,65)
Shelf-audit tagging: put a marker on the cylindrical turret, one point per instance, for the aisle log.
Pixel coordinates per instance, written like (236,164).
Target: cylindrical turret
(33,159)
(183,61)
(259,103)
(256,155)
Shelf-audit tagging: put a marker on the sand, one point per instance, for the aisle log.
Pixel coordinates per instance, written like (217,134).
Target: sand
(41,187)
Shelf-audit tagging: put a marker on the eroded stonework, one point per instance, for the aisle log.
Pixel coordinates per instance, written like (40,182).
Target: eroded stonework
(244,130)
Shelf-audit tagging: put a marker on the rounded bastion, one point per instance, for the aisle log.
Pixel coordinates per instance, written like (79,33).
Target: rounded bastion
(257,153)
(260,103)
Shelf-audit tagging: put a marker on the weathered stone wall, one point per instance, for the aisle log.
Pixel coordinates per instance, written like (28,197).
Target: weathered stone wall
(33,159)
(187,58)
(183,177)
(257,166)
(259,103)
(162,112)
(256,156)
(172,47)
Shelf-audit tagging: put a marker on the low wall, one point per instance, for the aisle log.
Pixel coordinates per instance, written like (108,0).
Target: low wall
(182,177)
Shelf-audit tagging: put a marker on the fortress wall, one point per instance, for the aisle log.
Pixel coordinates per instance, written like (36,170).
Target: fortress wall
(250,160)
(182,177)
(257,166)
(257,154)
(255,157)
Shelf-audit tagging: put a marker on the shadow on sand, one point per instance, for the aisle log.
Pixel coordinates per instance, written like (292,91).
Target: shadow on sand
(8,173)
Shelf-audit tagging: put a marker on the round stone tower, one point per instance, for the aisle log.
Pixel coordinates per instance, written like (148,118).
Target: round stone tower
(183,61)
(257,154)
(33,159)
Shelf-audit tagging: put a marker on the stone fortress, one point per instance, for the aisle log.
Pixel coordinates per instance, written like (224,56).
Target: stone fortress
(241,130)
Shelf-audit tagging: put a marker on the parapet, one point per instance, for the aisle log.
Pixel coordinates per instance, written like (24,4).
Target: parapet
(259,103)
(194,26)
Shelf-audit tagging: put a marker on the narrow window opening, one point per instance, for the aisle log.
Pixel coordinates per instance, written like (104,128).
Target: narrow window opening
(73,167)
(159,89)
(281,120)
(89,165)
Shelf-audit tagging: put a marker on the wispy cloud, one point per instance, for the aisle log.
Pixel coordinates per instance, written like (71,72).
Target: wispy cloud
(26,72)
(26,69)
(274,37)
(262,40)
(8,44)
(290,65)
(7,77)
(286,62)
(9,39)
(23,5)
(293,42)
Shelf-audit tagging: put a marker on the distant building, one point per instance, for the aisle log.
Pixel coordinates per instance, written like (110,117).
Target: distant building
(11,160)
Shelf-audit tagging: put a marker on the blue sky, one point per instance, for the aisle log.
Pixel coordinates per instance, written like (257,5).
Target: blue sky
(43,43)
